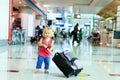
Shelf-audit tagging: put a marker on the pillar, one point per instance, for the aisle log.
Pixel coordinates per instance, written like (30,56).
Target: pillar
(5,18)
(117,28)
(37,22)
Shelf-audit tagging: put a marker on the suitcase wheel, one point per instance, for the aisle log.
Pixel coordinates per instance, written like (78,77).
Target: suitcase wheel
(67,76)
(75,74)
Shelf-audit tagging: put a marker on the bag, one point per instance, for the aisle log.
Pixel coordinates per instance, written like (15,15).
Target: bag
(68,64)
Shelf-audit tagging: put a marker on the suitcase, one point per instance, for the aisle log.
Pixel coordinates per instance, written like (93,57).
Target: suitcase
(68,64)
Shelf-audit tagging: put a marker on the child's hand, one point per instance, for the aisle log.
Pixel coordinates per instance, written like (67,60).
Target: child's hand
(45,46)
(49,50)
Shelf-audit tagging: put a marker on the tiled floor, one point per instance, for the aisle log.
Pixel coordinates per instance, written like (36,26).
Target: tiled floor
(17,62)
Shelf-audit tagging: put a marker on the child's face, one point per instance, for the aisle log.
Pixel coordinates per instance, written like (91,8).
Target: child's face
(48,34)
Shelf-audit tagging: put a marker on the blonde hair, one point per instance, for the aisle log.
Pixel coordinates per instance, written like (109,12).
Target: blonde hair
(46,30)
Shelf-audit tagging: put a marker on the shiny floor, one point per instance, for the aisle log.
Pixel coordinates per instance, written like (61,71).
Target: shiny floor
(17,62)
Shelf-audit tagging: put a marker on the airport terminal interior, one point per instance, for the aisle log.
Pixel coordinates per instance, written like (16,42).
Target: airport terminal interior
(96,46)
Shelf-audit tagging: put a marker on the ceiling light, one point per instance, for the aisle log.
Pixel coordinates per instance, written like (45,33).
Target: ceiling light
(20,2)
(77,16)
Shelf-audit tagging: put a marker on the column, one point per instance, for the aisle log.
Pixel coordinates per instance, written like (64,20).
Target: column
(37,22)
(5,18)
(116,41)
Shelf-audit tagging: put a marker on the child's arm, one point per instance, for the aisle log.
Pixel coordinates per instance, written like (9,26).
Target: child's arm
(40,43)
(51,47)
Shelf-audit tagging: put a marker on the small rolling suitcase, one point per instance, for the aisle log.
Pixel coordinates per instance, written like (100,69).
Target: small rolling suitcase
(68,64)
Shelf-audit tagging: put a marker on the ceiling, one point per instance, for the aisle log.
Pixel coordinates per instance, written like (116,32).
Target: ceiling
(110,10)
(81,6)
(19,3)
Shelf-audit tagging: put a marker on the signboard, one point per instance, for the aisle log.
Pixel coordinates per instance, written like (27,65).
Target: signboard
(116,34)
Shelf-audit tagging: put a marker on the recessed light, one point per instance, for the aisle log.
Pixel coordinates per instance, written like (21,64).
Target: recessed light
(20,2)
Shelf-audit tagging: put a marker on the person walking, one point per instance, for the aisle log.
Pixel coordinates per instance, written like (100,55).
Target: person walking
(75,34)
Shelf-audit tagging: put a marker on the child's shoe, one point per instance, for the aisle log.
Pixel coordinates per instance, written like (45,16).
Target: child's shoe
(36,71)
(46,71)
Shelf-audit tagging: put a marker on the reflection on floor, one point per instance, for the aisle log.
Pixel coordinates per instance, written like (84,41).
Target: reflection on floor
(17,62)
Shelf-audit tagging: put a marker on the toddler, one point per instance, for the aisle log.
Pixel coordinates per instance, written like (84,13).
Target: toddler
(45,47)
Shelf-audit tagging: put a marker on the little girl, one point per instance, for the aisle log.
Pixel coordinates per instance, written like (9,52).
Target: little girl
(45,47)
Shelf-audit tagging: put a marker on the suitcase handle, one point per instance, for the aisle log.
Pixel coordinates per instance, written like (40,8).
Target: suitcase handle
(56,54)
(72,62)
(73,59)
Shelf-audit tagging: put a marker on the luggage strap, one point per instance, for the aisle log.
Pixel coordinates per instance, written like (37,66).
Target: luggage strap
(72,61)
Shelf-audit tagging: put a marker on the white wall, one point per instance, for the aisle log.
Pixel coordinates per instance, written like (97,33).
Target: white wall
(31,26)
(4,17)
(27,21)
